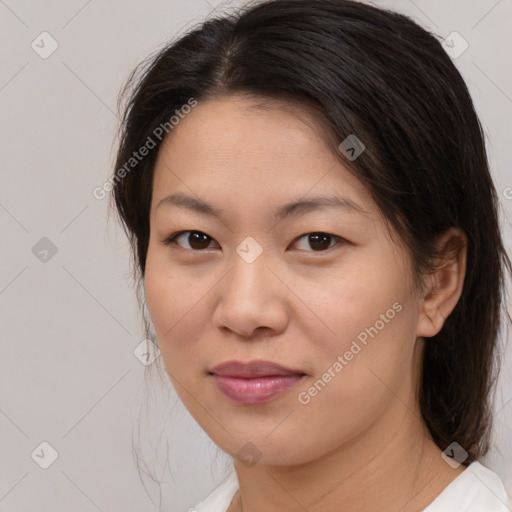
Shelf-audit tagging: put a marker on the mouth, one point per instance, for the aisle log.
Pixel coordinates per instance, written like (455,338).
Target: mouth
(254,382)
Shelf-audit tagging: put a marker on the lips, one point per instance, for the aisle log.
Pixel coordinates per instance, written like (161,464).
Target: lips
(253,369)
(255,382)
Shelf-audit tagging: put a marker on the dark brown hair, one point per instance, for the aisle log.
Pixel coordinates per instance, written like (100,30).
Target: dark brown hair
(377,74)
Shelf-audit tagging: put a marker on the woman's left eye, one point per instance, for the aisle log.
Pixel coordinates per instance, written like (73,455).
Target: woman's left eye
(319,241)
(197,240)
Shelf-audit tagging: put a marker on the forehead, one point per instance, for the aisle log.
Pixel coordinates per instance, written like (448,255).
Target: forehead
(236,148)
(240,128)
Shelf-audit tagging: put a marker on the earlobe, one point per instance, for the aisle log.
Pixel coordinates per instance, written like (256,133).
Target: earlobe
(444,284)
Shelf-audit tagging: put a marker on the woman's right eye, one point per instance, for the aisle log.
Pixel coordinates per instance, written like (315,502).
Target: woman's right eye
(196,240)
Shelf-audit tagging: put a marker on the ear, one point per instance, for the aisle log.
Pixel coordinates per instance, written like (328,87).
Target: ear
(443,286)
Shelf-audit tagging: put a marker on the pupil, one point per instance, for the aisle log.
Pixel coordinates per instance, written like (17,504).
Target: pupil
(315,238)
(194,240)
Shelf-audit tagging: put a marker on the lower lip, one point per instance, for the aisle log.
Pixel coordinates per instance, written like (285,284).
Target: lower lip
(255,391)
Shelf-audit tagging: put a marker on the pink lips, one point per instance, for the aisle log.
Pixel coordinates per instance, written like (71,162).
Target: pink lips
(255,382)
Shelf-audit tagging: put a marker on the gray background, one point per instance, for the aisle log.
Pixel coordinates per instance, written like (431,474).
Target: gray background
(70,324)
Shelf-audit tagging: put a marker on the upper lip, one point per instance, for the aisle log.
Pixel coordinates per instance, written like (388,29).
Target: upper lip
(252,369)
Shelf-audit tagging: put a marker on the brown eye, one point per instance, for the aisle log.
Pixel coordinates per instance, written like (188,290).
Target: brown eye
(196,240)
(319,241)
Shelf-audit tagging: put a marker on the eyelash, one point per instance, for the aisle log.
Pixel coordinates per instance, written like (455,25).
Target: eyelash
(171,240)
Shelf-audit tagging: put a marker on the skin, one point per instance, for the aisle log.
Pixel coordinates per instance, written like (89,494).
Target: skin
(360,442)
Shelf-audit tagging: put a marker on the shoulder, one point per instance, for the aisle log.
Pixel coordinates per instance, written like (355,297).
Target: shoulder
(477,489)
(220,498)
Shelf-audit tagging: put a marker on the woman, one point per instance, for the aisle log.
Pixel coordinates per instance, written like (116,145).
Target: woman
(313,221)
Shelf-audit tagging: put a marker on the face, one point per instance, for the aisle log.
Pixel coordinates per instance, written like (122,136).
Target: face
(319,289)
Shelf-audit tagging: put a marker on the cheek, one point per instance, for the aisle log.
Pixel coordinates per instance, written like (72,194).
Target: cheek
(369,343)
(345,396)
(365,300)
(175,307)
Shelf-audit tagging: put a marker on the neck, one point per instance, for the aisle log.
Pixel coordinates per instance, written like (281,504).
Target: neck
(400,470)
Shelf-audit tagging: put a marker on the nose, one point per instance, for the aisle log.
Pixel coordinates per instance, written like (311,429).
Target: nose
(251,299)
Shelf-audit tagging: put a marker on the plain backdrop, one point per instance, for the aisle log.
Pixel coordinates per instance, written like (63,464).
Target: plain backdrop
(73,395)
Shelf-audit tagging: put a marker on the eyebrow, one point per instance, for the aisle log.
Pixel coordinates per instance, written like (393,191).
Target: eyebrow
(292,209)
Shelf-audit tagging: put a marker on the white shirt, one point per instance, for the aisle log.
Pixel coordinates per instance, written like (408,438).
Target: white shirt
(476,489)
